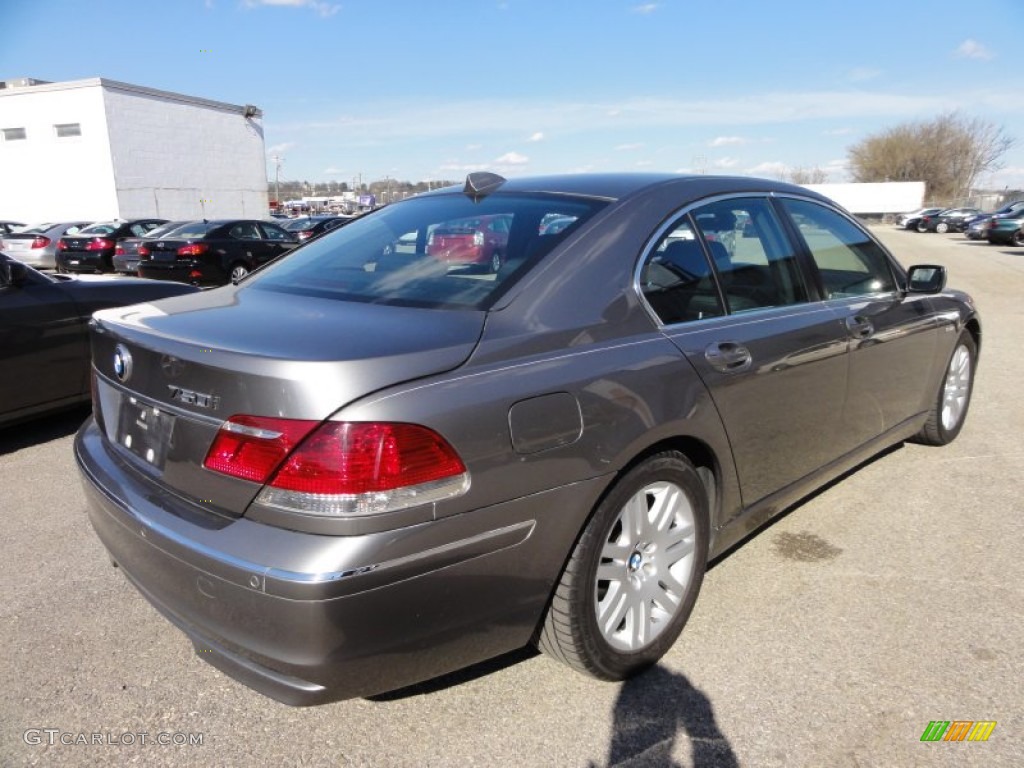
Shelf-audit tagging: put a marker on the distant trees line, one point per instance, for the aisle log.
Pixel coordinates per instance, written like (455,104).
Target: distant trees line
(387,189)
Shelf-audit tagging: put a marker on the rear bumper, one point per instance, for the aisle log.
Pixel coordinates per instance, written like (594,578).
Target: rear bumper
(310,618)
(81,262)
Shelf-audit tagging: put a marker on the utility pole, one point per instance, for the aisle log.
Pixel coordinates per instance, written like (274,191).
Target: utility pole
(277,178)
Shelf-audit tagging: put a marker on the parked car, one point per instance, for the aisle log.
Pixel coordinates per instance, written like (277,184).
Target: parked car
(92,249)
(949,220)
(214,252)
(6,227)
(474,240)
(311,226)
(1006,229)
(909,220)
(37,245)
(361,468)
(44,341)
(981,217)
(126,254)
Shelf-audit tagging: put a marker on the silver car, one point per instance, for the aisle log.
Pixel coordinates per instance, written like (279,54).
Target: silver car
(362,467)
(37,245)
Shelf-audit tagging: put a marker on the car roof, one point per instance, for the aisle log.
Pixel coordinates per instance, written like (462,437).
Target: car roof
(615,186)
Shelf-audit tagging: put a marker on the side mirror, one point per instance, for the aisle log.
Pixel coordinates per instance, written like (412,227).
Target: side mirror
(12,273)
(926,278)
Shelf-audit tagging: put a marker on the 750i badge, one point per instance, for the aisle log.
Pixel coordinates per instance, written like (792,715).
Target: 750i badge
(190,397)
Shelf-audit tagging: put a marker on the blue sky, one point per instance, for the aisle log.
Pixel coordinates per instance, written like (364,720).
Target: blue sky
(428,90)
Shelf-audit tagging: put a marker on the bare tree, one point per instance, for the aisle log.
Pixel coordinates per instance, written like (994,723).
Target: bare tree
(948,153)
(801,175)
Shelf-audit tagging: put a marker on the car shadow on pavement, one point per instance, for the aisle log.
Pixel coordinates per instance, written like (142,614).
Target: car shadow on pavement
(651,713)
(459,676)
(42,430)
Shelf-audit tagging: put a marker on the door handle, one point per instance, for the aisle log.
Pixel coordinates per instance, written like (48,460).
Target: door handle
(728,356)
(860,327)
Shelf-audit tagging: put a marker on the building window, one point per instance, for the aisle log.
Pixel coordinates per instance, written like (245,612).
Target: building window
(68,129)
(13,134)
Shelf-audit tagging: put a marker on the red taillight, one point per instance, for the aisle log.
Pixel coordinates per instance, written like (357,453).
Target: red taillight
(251,447)
(338,468)
(143,251)
(119,251)
(61,245)
(360,457)
(192,249)
(99,244)
(40,242)
(305,234)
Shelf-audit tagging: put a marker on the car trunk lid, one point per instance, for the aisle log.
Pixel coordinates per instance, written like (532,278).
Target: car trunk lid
(169,375)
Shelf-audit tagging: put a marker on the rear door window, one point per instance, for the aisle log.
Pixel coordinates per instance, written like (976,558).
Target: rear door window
(756,263)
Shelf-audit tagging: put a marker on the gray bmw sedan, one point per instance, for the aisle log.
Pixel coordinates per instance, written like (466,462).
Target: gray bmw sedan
(368,464)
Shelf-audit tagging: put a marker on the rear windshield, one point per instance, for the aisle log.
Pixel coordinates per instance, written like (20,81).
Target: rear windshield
(193,230)
(164,229)
(432,251)
(105,228)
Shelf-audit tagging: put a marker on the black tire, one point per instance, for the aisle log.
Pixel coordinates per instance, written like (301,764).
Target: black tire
(944,425)
(922,226)
(942,227)
(571,632)
(1018,237)
(496,261)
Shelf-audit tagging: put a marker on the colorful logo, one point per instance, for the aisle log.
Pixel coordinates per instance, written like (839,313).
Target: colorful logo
(958,730)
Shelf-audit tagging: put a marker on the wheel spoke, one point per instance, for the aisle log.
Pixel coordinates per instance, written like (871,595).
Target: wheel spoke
(634,518)
(666,502)
(613,608)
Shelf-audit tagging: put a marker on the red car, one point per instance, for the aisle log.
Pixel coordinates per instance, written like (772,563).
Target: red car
(480,240)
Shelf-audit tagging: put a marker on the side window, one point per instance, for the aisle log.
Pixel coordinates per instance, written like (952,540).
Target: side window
(273,233)
(755,261)
(677,279)
(850,262)
(245,230)
(138,230)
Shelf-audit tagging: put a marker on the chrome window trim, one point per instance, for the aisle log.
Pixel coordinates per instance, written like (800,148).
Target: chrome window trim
(685,211)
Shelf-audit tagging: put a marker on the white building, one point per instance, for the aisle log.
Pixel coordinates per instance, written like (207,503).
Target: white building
(100,149)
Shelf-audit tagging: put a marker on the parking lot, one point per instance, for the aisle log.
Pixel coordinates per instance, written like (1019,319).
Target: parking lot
(832,638)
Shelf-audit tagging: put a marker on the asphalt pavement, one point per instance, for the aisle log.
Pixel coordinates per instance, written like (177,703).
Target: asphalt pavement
(834,637)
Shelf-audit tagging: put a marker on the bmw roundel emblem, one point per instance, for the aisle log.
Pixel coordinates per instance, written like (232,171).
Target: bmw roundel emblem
(122,363)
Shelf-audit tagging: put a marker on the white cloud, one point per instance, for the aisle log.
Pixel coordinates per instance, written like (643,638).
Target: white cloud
(629,147)
(860,74)
(838,132)
(644,163)
(474,147)
(724,141)
(332,171)
(645,8)
(277,149)
(972,49)
(512,158)
(537,136)
(726,162)
(324,9)
(771,169)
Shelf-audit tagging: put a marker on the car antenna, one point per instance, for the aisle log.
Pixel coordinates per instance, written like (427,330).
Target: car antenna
(480,184)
